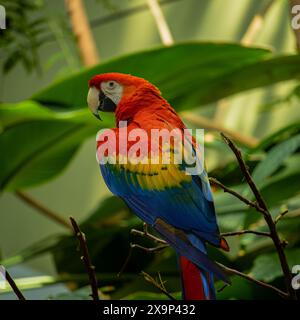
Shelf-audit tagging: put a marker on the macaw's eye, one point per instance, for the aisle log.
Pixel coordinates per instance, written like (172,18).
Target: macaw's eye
(111,84)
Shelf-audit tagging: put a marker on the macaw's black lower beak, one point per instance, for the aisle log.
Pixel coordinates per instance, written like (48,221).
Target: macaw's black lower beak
(105,105)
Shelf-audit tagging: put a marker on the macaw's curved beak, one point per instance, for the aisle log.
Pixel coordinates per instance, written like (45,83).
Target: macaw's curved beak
(98,101)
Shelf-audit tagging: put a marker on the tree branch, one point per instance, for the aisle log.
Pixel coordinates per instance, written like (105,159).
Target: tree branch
(161,23)
(237,195)
(44,210)
(239,233)
(260,283)
(280,216)
(268,218)
(13,285)
(82,32)
(160,287)
(148,235)
(137,246)
(229,270)
(86,259)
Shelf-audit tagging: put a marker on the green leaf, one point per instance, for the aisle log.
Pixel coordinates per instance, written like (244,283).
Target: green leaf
(277,137)
(43,246)
(37,143)
(11,61)
(188,74)
(274,159)
(44,148)
(267,266)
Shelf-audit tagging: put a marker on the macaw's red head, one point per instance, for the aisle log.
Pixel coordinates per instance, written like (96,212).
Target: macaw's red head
(120,93)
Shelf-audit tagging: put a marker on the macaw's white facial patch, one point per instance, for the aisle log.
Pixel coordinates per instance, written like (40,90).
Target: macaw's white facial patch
(93,99)
(113,90)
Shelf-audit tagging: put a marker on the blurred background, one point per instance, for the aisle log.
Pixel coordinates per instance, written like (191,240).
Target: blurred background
(226,65)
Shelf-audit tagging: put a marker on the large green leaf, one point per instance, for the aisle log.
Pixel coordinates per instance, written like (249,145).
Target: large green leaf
(278,136)
(188,74)
(274,159)
(37,143)
(267,267)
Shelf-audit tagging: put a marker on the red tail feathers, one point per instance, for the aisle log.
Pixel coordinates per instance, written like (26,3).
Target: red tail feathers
(196,284)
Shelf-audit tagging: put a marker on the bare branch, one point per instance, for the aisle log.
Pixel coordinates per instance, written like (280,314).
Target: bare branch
(229,270)
(280,216)
(44,210)
(157,285)
(82,32)
(239,233)
(260,283)
(223,287)
(13,285)
(137,246)
(268,218)
(150,250)
(146,234)
(237,195)
(161,23)
(86,259)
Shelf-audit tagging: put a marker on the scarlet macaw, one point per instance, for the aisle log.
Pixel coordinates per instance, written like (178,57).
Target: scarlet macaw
(177,205)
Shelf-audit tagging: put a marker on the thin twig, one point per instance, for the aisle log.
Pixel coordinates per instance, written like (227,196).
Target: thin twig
(13,285)
(150,250)
(86,259)
(137,246)
(223,287)
(239,233)
(237,195)
(157,285)
(161,22)
(260,283)
(293,214)
(42,209)
(280,216)
(146,234)
(126,261)
(246,173)
(268,218)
